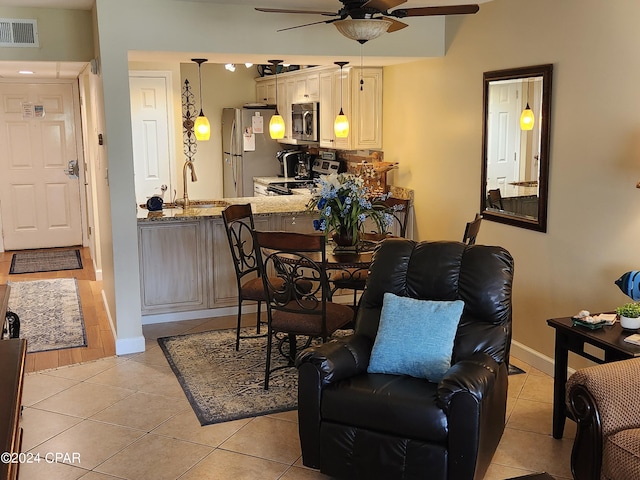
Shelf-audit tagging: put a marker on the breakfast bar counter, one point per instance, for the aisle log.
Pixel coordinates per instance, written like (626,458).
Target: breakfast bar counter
(281,204)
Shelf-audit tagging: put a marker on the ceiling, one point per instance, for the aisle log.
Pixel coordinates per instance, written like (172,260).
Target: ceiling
(49,70)
(331,5)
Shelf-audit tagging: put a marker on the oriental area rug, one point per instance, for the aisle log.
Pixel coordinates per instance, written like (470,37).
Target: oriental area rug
(50,313)
(222,384)
(45,261)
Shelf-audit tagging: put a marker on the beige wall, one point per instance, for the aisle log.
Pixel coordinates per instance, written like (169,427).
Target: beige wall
(64,35)
(433,126)
(220,89)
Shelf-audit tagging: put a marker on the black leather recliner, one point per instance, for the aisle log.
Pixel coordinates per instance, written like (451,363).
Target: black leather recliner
(355,425)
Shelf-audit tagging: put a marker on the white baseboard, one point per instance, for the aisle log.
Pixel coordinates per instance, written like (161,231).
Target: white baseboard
(534,358)
(125,346)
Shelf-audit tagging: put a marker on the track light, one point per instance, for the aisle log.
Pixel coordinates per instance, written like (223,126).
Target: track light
(202,127)
(276,124)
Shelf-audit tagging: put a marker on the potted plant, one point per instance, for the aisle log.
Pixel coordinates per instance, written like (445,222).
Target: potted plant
(344,202)
(629,314)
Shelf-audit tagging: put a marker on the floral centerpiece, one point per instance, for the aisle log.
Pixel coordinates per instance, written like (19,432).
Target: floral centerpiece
(345,203)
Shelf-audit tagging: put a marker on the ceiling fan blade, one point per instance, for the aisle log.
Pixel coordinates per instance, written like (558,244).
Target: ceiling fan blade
(395,25)
(308,24)
(282,10)
(428,11)
(382,5)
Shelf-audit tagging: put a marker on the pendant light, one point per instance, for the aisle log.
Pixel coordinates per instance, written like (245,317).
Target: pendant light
(341,124)
(202,127)
(276,124)
(527,118)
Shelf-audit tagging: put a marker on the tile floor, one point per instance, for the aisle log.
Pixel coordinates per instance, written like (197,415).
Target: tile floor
(127,418)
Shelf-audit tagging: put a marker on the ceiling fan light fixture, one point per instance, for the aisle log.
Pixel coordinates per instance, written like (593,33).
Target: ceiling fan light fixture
(363,29)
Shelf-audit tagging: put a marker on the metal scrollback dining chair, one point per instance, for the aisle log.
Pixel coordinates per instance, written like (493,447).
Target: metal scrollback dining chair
(238,223)
(471,230)
(293,261)
(355,280)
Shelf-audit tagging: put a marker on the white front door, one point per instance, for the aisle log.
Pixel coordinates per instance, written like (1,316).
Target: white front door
(151,124)
(39,201)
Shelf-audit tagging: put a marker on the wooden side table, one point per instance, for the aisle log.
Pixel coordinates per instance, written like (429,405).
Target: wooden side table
(12,359)
(610,339)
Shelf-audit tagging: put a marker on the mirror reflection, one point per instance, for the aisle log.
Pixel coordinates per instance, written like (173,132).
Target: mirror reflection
(516,146)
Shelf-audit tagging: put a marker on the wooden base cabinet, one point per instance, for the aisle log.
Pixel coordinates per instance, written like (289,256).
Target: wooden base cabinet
(172,266)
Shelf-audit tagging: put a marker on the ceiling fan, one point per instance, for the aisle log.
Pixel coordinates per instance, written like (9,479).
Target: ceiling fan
(364,20)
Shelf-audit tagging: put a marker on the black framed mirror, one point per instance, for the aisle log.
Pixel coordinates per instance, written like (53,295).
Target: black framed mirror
(515,146)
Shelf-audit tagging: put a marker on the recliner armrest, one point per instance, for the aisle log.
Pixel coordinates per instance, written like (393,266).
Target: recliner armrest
(475,375)
(338,359)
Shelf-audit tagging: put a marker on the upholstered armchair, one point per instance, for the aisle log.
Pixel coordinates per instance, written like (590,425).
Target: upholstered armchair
(605,402)
(360,425)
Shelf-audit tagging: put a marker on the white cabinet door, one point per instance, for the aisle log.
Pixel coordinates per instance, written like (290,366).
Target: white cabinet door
(366,129)
(266,91)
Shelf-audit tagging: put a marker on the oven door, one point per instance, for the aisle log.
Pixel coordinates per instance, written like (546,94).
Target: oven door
(304,121)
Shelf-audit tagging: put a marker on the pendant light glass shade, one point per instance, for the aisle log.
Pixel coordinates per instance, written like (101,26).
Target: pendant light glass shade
(527,119)
(276,124)
(341,123)
(202,128)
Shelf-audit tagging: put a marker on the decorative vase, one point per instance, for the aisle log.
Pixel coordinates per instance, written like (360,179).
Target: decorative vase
(344,238)
(628,323)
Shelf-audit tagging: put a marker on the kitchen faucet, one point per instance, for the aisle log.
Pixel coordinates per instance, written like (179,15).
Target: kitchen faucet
(194,178)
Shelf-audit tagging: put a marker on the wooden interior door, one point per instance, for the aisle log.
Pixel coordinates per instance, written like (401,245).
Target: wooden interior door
(39,201)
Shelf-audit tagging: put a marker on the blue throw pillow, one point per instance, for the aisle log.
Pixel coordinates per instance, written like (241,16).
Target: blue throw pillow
(415,337)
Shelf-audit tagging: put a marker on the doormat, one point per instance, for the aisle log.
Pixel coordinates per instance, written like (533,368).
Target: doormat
(45,261)
(50,313)
(222,384)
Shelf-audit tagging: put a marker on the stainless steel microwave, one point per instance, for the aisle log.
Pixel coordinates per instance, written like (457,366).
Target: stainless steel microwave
(304,121)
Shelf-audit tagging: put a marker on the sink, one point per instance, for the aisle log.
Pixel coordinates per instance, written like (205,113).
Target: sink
(206,203)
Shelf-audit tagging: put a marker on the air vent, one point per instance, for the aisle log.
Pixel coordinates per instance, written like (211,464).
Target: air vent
(18,32)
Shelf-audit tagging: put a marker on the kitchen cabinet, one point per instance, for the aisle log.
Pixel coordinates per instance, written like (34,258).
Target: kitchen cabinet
(363,107)
(186,266)
(307,87)
(172,273)
(266,91)
(330,103)
(366,107)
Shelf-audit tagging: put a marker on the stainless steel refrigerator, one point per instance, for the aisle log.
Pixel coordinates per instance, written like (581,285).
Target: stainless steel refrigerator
(247,149)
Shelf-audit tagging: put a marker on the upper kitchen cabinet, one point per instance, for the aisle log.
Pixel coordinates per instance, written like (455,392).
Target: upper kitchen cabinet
(362,106)
(306,87)
(266,90)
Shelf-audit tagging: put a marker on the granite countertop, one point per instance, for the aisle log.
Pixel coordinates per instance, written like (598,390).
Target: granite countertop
(270,205)
(261,205)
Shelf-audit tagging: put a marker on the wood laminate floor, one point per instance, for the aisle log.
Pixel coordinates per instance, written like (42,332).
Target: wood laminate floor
(100,342)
